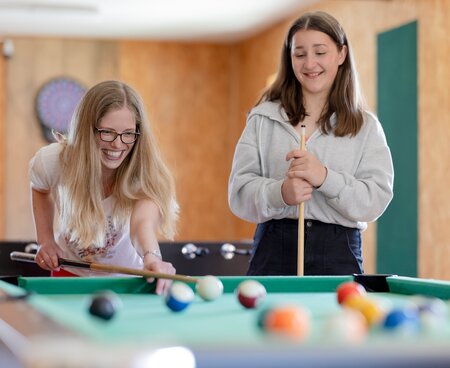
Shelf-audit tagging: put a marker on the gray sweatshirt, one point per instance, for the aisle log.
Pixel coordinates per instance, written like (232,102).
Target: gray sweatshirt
(359,182)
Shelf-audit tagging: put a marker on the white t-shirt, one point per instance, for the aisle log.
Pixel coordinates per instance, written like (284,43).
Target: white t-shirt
(118,250)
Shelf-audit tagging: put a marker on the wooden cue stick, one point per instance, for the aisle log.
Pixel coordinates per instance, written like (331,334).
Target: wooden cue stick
(29,257)
(301,220)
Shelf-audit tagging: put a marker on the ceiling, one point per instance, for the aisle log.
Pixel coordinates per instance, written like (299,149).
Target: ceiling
(190,20)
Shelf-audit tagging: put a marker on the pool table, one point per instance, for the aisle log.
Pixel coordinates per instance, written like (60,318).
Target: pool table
(44,319)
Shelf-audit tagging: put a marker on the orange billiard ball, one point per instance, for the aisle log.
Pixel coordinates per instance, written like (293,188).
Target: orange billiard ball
(287,321)
(348,288)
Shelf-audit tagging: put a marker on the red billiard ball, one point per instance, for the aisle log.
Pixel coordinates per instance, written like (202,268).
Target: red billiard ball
(251,293)
(348,288)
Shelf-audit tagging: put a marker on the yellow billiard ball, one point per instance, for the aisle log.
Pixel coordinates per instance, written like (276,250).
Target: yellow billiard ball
(370,309)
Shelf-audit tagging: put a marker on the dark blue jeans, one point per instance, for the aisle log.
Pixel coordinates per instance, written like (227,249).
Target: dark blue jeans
(329,249)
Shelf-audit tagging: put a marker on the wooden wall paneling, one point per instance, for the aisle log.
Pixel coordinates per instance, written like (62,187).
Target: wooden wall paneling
(25,138)
(434,129)
(234,131)
(187,91)
(35,61)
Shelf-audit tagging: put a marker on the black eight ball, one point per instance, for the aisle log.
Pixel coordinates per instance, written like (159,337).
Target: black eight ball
(103,306)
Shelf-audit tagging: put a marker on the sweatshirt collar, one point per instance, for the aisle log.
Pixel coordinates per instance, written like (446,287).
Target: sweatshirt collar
(272,110)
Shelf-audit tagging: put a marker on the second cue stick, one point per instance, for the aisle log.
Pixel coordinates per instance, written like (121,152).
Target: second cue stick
(301,221)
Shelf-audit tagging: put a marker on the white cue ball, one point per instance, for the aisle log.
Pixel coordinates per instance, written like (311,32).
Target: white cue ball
(209,287)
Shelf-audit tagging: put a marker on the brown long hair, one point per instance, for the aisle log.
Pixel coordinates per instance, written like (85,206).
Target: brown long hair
(344,99)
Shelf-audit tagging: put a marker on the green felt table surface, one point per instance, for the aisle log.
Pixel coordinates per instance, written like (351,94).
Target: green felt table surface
(143,316)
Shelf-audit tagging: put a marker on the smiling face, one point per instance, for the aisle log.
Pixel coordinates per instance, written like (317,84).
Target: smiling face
(315,61)
(114,153)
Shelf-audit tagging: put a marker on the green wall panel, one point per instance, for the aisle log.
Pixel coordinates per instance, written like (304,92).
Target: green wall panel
(397,111)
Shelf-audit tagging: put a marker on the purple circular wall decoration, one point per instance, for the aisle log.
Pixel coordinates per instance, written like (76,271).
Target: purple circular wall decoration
(56,102)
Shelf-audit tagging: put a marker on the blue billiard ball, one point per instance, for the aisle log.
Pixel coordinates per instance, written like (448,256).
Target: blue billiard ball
(402,318)
(179,296)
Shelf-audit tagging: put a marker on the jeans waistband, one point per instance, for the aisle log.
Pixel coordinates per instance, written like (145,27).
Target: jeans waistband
(308,223)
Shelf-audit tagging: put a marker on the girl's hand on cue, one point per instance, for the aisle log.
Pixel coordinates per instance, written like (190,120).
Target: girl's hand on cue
(155,264)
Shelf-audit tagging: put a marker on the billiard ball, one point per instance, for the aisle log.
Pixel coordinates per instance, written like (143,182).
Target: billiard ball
(261,320)
(406,319)
(372,310)
(250,293)
(348,288)
(288,321)
(179,296)
(347,326)
(104,305)
(209,288)
(432,312)
(430,305)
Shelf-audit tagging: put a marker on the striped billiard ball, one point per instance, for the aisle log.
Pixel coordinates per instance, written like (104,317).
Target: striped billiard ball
(250,293)
(179,296)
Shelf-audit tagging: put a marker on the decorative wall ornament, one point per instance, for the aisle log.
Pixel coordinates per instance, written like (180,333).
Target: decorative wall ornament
(56,102)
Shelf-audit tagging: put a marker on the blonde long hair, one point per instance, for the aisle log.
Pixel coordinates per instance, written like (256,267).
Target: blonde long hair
(142,175)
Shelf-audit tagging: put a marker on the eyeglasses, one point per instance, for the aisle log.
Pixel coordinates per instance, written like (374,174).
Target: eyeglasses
(107,135)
